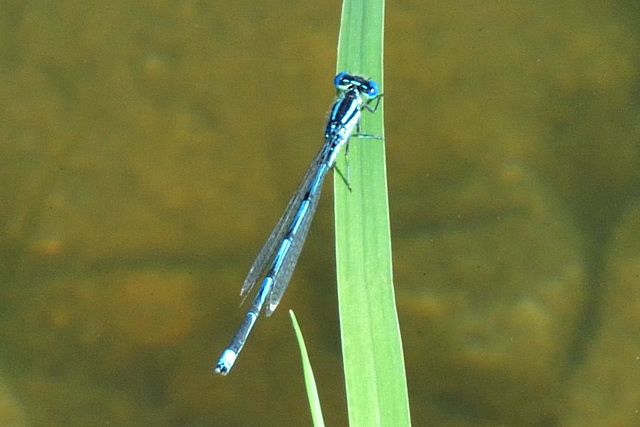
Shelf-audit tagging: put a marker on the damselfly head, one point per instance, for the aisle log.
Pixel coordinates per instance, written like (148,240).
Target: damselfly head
(368,88)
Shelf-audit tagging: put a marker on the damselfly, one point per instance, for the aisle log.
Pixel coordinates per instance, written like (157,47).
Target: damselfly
(279,255)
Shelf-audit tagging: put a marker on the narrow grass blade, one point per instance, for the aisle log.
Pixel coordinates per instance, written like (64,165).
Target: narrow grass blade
(371,343)
(309,380)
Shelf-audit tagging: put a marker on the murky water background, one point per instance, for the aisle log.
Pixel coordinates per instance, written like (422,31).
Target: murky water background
(147,149)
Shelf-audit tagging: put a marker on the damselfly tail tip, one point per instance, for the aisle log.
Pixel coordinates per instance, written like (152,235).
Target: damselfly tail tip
(226,362)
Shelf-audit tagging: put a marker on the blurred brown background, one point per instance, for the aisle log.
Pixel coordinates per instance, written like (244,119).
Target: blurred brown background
(147,149)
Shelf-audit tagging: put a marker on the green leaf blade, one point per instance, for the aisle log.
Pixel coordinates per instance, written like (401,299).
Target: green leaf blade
(371,343)
(309,379)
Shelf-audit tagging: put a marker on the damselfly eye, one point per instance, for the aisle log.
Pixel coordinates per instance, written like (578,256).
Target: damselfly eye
(342,81)
(373,90)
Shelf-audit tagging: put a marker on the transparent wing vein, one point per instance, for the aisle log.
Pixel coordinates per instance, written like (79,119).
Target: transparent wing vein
(283,276)
(271,246)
